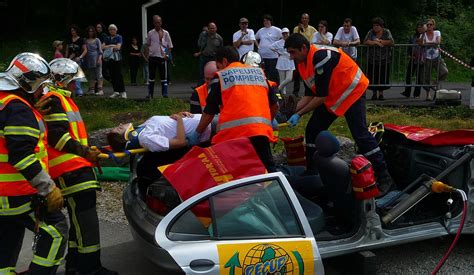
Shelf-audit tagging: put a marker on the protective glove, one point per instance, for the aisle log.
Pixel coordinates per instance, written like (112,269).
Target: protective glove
(294,119)
(54,200)
(193,138)
(275,125)
(92,154)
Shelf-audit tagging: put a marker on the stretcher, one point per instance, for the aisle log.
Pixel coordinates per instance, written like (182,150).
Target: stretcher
(141,150)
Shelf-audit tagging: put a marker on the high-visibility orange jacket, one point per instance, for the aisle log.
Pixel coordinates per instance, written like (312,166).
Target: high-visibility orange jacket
(61,162)
(12,182)
(245,110)
(347,83)
(202,92)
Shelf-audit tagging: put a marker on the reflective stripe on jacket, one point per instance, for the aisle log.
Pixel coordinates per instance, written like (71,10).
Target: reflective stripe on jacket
(347,83)
(245,110)
(61,162)
(12,182)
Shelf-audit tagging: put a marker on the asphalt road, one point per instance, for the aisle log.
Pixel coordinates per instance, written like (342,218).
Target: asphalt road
(182,90)
(120,253)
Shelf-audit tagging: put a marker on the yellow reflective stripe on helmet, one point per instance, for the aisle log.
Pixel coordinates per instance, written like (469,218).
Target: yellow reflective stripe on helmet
(3,157)
(79,187)
(55,117)
(62,142)
(24,163)
(88,249)
(7,270)
(11,177)
(21,130)
(16,210)
(63,158)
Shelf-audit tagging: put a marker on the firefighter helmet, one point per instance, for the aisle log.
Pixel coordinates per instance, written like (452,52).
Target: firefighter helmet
(65,70)
(27,71)
(252,58)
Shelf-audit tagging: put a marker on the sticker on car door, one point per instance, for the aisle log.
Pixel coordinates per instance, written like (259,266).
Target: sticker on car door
(293,257)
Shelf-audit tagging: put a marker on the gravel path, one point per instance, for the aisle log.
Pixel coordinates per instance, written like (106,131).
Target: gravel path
(109,202)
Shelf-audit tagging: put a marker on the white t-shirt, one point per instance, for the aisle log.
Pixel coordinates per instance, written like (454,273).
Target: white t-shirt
(432,52)
(318,39)
(284,62)
(348,37)
(160,129)
(250,36)
(267,37)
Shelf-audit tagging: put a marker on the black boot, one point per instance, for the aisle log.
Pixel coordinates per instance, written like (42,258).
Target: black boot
(385,182)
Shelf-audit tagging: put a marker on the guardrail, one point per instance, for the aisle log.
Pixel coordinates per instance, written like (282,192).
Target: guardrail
(401,65)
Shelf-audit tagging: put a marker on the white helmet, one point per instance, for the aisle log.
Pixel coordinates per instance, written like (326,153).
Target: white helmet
(27,71)
(252,58)
(65,70)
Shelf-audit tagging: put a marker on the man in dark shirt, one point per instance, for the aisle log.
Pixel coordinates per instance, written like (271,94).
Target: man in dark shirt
(334,86)
(229,57)
(208,49)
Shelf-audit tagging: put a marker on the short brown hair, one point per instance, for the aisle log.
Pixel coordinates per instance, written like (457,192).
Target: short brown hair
(116,141)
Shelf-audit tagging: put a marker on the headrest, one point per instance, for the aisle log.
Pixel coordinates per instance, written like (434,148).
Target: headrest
(326,144)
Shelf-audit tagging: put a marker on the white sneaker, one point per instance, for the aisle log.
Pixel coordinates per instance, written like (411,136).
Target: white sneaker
(123,95)
(115,94)
(100,92)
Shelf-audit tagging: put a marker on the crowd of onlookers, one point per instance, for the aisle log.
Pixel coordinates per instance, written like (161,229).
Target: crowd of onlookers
(100,54)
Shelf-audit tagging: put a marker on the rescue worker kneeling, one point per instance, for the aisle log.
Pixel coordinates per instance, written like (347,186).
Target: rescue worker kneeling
(26,188)
(71,161)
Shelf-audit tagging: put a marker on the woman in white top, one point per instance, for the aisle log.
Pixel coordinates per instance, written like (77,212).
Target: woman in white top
(265,37)
(433,60)
(322,37)
(285,65)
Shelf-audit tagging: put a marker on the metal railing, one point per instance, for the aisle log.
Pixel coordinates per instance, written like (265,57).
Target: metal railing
(400,65)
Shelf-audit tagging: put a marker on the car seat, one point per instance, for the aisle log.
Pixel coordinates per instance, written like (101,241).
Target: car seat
(336,178)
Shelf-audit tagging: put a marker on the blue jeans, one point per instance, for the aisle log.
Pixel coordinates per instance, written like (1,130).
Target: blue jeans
(78,91)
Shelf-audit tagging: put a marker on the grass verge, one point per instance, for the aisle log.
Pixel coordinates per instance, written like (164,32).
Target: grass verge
(99,113)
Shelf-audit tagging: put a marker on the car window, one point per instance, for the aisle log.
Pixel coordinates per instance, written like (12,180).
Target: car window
(256,210)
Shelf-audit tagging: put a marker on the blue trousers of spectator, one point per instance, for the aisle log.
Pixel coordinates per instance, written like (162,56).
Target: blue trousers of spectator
(321,120)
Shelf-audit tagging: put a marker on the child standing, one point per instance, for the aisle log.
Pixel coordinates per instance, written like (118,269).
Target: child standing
(58,47)
(145,54)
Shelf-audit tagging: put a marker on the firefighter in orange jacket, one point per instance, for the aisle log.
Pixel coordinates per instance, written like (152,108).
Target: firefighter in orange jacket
(71,166)
(335,86)
(239,93)
(24,179)
(198,98)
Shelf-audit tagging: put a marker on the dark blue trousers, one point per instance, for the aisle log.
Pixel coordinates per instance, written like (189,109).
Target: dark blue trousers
(321,120)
